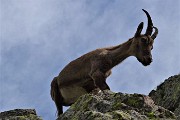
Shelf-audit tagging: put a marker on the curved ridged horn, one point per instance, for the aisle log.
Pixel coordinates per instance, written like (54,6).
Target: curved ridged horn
(150,24)
(155,33)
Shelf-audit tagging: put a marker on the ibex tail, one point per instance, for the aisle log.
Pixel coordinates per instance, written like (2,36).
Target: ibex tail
(56,95)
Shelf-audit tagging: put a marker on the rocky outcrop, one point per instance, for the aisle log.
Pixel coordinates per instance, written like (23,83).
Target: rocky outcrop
(116,106)
(19,114)
(161,105)
(167,94)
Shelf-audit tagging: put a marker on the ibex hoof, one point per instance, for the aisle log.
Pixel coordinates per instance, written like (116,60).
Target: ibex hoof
(95,91)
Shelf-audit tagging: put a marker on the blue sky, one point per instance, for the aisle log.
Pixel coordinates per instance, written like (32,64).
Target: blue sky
(39,37)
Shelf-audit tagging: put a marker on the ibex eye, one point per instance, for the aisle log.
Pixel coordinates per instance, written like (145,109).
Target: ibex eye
(143,40)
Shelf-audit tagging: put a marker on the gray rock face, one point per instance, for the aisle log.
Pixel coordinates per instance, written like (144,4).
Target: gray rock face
(19,114)
(167,94)
(108,105)
(115,106)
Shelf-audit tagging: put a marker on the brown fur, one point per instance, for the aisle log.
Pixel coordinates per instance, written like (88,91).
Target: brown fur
(89,72)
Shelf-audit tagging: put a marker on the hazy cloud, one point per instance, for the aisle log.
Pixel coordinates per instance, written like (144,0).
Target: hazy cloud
(38,38)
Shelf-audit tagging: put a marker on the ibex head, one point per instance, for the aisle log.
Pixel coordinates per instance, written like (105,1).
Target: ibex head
(143,43)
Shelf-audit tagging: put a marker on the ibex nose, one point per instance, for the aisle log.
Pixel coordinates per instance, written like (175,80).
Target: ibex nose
(150,59)
(147,61)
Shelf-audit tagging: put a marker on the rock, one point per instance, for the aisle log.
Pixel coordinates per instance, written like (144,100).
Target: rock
(108,105)
(19,114)
(167,94)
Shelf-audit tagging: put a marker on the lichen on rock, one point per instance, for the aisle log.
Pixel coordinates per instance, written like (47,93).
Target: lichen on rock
(19,114)
(108,105)
(167,94)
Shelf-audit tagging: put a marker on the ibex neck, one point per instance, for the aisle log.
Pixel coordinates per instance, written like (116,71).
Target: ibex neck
(120,52)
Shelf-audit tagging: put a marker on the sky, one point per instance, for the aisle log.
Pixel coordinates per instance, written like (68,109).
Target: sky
(39,37)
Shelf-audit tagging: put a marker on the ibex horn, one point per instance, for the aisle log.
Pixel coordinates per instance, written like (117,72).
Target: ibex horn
(150,24)
(155,33)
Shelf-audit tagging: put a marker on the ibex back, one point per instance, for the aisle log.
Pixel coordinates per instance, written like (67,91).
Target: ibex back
(88,73)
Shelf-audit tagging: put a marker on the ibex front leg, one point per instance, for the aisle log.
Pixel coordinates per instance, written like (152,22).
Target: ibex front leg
(99,79)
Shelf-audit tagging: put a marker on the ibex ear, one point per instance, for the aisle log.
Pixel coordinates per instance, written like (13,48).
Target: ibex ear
(139,29)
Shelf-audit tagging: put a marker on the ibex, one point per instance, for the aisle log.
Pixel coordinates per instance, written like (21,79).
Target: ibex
(89,72)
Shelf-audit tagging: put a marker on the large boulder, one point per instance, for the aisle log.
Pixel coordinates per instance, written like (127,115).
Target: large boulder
(19,114)
(108,105)
(167,94)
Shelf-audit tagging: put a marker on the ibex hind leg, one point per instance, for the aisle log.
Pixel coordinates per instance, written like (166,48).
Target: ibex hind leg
(56,95)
